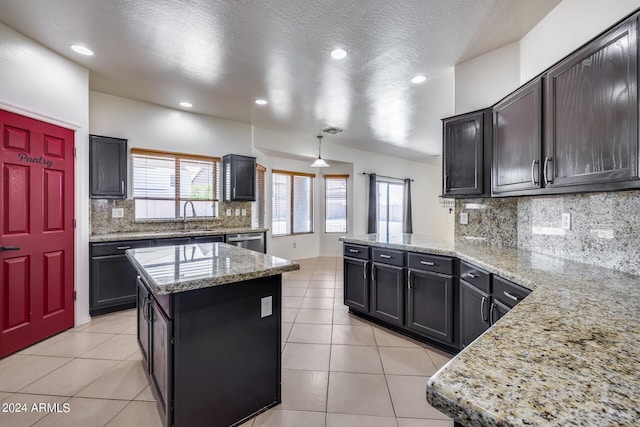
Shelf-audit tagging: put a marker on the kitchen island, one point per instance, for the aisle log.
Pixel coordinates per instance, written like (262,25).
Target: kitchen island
(568,354)
(209,329)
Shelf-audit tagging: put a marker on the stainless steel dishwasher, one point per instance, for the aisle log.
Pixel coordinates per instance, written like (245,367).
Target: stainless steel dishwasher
(253,241)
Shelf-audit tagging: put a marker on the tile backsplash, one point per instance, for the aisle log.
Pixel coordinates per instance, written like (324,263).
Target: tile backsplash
(102,222)
(604,228)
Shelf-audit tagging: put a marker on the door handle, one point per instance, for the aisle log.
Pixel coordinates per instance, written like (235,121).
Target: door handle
(385,256)
(533,176)
(9,248)
(472,275)
(491,311)
(409,279)
(482,304)
(431,264)
(547,159)
(510,296)
(364,270)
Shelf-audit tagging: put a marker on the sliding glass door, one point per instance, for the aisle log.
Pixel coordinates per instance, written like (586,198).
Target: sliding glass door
(390,202)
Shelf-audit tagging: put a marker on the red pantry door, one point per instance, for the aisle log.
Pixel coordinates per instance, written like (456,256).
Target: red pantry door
(36,231)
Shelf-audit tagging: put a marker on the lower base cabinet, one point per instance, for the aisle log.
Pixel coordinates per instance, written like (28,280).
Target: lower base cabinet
(430,304)
(474,313)
(356,294)
(387,293)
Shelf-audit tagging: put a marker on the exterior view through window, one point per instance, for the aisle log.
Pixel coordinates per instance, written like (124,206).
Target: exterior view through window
(335,202)
(292,203)
(390,200)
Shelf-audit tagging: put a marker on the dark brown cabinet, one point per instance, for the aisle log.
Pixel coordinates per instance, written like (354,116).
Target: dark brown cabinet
(356,283)
(474,313)
(592,115)
(387,292)
(108,167)
(161,353)
(517,140)
(144,332)
(466,155)
(238,178)
(430,304)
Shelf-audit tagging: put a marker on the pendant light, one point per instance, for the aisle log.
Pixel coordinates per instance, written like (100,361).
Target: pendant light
(319,162)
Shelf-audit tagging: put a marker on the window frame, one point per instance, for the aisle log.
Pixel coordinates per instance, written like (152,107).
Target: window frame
(178,199)
(344,177)
(389,181)
(293,174)
(260,210)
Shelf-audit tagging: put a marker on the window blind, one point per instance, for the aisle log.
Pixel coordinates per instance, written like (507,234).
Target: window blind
(292,203)
(260,172)
(335,193)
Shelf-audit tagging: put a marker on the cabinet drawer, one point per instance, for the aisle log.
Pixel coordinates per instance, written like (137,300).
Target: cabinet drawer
(508,292)
(387,256)
(475,276)
(437,264)
(356,251)
(117,248)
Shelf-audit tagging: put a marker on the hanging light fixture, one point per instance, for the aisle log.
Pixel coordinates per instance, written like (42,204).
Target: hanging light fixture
(319,162)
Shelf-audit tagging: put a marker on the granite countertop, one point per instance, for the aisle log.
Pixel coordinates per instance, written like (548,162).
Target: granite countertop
(569,354)
(180,268)
(141,235)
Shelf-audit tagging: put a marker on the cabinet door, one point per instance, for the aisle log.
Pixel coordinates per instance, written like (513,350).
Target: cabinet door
(592,113)
(108,160)
(244,178)
(463,155)
(517,140)
(113,283)
(430,304)
(356,284)
(144,334)
(497,311)
(162,356)
(387,293)
(474,313)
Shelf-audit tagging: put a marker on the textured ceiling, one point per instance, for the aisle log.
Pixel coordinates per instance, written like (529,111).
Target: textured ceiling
(221,55)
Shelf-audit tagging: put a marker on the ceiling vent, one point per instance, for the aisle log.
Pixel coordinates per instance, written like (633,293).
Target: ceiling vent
(332,130)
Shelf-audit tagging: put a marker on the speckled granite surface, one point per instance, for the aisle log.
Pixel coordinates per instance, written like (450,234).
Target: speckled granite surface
(490,221)
(181,268)
(140,235)
(569,354)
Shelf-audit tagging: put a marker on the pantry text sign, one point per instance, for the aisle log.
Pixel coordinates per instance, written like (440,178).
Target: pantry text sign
(35,160)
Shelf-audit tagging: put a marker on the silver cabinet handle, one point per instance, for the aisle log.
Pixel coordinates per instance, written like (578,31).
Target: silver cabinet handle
(354,251)
(472,275)
(234,192)
(409,279)
(385,256)
(122,248)
(373,272)
(533,176)
(364,270)
(428,263)
(491,310)
(122,187)
(547,159)
(511,296)
(482,304)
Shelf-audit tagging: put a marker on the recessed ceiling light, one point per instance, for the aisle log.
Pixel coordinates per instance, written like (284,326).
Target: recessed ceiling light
(418,79)
(338,53)
(186,104)
(82,50)
(261,101)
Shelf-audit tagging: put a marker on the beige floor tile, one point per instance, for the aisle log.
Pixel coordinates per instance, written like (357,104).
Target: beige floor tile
(307,357)
(74,344)
(304,390)
(117,348)
(131,331)
(343,317)
(310,334)
(360,394)
(125,382)
(300,275)
(146,395)
(26,369)
(409,397)
(438,357)
(320,293)
(318,303)
(137,414)
(285,418)
(353,335)
(286,330)
(34,349)
(292,302)
(71,378)
(26,401)
(295,283)
(112,325)
(84,412)
(417,422)
(323,276)
(347,420)
(130,312)
(339,286)
(406,361)
(136,355)
(293,292)
(4,395)
(355,358)
(289,315)
(321,284)
(385,338)
(311,315)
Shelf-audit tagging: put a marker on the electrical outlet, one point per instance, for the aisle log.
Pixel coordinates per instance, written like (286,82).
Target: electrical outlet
(566,221)
(237,212)
(266,306)
(294,245)
(464,218)
(228,212)
(244,212)
(117,213)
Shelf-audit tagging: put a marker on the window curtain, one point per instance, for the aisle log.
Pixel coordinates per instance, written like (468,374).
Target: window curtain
(373,204)
(407,223)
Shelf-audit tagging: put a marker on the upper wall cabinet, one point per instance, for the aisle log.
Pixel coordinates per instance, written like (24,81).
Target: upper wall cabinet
(467,155)
(238,178)
(591,115)
(108,163)
(517,140)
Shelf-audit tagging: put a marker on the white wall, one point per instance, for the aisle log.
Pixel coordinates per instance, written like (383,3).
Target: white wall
(41,84)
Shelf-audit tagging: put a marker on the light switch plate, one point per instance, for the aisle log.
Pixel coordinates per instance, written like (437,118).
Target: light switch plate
(266,306)
(464,218)
(237,212)
(228,212)
(117,213)
(244,212)
(566,221)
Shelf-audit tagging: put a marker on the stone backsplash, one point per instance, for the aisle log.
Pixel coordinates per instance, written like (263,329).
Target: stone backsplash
(102,222)
(604,228)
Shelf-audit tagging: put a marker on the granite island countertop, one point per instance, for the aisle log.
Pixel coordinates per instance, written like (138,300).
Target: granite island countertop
(181,268)
(141,235)
(569,354)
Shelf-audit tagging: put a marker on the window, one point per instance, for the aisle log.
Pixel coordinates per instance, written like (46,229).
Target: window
(292,203)
(163,182)
(390,199)
(258,217)
(335,203)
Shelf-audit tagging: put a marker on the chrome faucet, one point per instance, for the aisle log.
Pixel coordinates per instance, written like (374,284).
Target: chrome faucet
(184,212)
